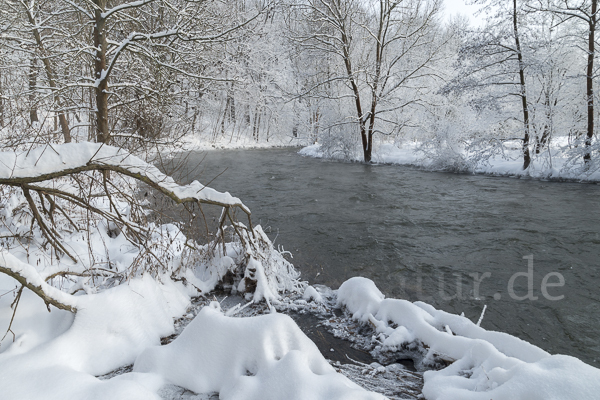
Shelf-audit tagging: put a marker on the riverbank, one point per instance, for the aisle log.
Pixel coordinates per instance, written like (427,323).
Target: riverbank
(225,347)
(198,143)
(559,163)
(134,307)
(556,164)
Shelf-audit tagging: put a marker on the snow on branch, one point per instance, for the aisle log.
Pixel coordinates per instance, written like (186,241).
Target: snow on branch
(29,277)
(42,171)
(50,162)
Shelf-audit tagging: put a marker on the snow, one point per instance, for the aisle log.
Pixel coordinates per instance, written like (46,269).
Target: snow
(559,164)
(264,357)
(43,161)
(200,143)
(118,325)
(32,277)
(360,296)
(484,364)
(260,357)
(311,294)
(109,330)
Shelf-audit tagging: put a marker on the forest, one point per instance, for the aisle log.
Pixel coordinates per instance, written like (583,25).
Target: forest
(349,75)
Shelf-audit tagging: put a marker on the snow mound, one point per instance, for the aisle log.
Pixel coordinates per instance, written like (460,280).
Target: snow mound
(484,364)
(264,357)
(310,293)
(313,150)
(360,296)
(110,330)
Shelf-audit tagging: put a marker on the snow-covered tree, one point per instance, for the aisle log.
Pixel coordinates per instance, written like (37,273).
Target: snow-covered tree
(375,60)
(492,63)
(128,65)
(584,15)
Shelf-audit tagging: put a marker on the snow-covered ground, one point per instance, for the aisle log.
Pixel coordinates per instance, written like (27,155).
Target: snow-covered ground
(140,331)
(561,161)
(558,163)
(266,356)
(200,143)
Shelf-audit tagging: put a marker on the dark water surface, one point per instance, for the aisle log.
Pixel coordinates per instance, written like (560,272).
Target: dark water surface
(422,235)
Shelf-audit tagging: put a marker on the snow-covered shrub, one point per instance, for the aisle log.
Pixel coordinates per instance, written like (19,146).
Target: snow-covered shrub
(85,247)
(267,272)
(84,230)
(341,142)
(248,263)
(443,153)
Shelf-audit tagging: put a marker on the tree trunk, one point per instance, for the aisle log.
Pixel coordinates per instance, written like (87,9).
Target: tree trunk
(385,9)
(357,102)
(526,153)
(50,75)
(247,117)
(547,131)
(587,157)
(101,83)
(230,105)
(256,124)
(1,102)
(33,117)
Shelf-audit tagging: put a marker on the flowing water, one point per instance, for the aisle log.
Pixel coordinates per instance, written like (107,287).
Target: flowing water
(455,241)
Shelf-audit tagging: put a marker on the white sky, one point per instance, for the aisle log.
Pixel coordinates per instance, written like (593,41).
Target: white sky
(455,7)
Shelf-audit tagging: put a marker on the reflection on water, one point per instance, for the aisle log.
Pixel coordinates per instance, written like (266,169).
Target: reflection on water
(451,240)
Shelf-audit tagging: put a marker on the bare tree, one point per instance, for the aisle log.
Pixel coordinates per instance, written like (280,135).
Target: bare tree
(492,64)
(380,53)
(584,12)
(123,62)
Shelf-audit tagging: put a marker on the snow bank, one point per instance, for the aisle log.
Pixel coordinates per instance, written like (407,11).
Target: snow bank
(559,163)
(110,330)
(264,357)
(485,365)
(41,162)
(200,143)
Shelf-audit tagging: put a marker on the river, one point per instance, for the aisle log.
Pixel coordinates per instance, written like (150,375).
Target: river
(455,241)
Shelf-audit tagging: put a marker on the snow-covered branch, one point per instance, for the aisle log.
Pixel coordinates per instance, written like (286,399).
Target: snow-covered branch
(52,162)
(28,277)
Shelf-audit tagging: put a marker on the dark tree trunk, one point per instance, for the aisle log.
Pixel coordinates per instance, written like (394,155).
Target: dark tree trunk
(1,102)
(590,84)
(101,80)
(51,76)
(525,147)
(541,143)
(230,106)
(547,132)
(315,123)
(256,124)
(357,103)
(33,116)
(247,117)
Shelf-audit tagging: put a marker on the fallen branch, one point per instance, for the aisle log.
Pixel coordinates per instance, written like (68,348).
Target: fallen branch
(31,168)
(28,277)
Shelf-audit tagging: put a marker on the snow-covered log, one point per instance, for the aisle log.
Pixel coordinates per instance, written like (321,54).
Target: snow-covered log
(69,180)
(55,161)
